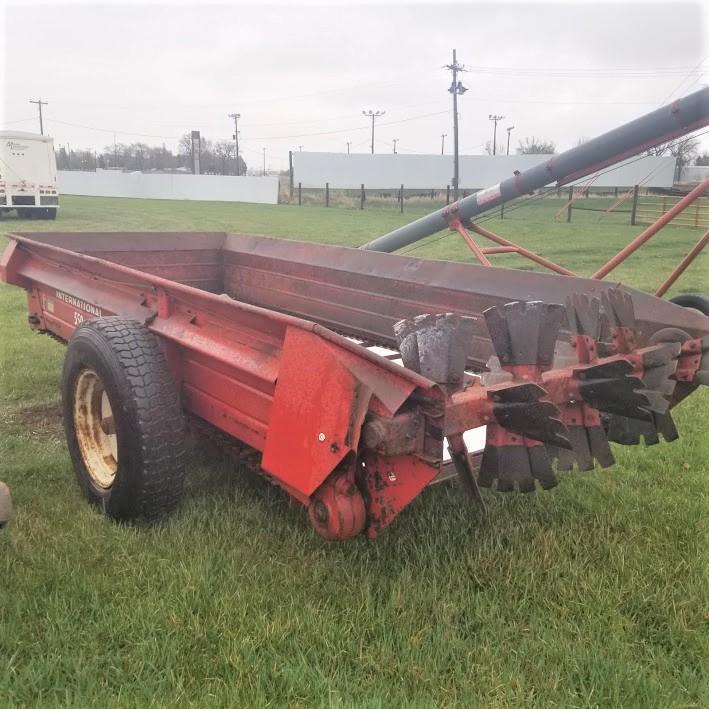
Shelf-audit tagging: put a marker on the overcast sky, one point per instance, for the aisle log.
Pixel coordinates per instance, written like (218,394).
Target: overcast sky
(301,74)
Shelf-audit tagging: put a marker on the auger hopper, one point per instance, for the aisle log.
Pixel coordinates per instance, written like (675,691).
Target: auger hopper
(295,352)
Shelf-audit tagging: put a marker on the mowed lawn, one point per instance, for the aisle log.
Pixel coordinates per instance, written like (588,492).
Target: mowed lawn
(592,594)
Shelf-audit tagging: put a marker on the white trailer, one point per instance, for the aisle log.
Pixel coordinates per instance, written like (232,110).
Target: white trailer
(28,175)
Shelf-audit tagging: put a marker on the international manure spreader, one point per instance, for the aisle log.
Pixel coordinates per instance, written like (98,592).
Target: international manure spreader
(354,373)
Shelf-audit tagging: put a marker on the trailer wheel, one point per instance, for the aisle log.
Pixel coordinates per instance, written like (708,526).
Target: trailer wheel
(695,301)
(123,420)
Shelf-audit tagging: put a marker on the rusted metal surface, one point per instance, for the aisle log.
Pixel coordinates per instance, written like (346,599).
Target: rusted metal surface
(337,511)
(95,429)
(521,250)
(456,225)
(506,246)
(437,346)
(391,483)
(365,293)
(347,432)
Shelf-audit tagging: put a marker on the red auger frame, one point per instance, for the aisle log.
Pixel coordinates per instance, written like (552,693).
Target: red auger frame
(275,343)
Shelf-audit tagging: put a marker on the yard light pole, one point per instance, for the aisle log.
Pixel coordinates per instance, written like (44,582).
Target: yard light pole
(395,141)
(236,117)
(495,118)
(348,147)
(457,89)
(509,130)
(264,162)
(443,142)
(373,115)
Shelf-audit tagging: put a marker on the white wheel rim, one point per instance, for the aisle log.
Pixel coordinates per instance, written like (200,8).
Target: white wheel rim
(95,428)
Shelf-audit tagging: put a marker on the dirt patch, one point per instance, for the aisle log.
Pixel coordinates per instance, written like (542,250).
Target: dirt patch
(44,417)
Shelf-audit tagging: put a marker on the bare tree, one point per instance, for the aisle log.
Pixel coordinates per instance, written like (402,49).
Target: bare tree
(684,151)
(215,157)
(536,146)
(224,151)
(488,148)
(184,145)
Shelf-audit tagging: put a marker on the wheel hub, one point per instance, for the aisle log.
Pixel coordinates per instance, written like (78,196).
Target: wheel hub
(95,428)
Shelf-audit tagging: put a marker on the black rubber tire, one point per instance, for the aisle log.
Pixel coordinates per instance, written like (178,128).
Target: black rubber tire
(697,301)
(147,412)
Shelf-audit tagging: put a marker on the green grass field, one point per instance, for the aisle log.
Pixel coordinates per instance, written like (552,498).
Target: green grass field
(593,594)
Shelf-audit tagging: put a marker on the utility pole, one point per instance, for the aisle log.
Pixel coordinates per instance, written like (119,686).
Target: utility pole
(457,89)
(495,118)
(373,115)
(443,142)
(290,175)
(300,148)
(115,152)
(395,141)
(509,130)
(348,147)
(264,162)
(40,103)
(236,117)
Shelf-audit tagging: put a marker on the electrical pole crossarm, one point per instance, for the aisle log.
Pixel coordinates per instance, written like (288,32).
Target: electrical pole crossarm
(373,115)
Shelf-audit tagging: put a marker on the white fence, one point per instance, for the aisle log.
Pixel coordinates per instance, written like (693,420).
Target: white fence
(694,174)
(217,188)
(389,171)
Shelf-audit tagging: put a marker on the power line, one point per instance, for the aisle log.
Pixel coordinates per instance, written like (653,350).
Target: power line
(21,120)
(119,132)
(607,72)
(687,76)
(347,130)
(648,72)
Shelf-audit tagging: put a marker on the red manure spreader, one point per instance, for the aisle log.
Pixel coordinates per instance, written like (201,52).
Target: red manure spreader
(355,373)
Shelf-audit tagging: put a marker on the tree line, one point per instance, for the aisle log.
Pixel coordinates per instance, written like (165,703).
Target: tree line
(216,157)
